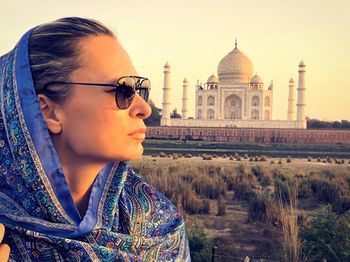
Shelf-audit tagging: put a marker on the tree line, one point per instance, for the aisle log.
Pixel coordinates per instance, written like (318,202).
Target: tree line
(320,124)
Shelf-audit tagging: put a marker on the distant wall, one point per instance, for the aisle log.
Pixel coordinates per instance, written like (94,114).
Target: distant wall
(233,123)
(258,135)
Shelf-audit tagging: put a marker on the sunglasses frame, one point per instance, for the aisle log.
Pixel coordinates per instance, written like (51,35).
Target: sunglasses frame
(138,87)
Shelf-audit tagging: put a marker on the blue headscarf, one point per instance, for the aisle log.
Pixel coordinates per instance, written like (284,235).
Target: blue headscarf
(126,219)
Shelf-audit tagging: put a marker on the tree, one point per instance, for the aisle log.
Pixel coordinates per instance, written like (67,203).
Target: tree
(320,124)
(336,125)
(154,118)
(327,236)
(199,242)
(175,114)
(345,124)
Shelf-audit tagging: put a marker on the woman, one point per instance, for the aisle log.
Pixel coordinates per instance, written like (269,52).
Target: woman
(72,111)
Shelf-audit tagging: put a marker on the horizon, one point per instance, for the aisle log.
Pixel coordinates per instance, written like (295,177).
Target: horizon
(194,36)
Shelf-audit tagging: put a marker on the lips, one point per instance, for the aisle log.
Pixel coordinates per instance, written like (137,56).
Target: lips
(139,134)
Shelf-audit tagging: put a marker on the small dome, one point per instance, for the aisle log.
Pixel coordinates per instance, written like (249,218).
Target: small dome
(291,80)
(256,80)
(302,63)
(185,80)
(213,79)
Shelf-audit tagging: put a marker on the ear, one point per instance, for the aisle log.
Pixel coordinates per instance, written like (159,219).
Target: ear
(50,112)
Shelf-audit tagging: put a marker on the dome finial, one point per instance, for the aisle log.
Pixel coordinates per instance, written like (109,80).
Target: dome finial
(236,43)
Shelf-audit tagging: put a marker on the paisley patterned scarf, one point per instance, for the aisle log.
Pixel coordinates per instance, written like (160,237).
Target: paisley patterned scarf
(126,220)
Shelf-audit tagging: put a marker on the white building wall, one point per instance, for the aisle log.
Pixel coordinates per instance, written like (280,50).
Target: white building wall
(199,93)
(267,93)
(250,106)
(205,94)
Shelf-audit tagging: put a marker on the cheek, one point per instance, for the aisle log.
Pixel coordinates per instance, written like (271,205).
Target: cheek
(102,133)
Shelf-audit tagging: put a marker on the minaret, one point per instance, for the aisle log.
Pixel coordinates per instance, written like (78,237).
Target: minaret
(291,113)
(165,121)
(184,99)
(301,95)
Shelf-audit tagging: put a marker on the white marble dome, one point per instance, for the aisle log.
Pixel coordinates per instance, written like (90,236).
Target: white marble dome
(213,79)
(235,67)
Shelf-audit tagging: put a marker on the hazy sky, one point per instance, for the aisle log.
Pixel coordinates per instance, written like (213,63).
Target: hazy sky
(195,35)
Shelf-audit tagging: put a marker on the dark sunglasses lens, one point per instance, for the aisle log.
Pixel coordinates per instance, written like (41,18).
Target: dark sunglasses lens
(125,93)
(144,93)
(144,88)
(146,83)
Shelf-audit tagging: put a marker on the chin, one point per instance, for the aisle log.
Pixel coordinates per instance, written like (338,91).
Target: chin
(133,155)
(136,156)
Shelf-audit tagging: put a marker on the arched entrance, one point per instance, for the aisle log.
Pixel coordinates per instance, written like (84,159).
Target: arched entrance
(267,115)
(233,107)
(255,115)
(211,114)
(199,114)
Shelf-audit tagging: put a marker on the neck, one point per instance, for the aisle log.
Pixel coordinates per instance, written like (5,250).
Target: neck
(80,178)
(80,173)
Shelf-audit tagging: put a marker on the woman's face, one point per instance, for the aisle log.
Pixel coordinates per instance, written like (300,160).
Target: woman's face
(93,127)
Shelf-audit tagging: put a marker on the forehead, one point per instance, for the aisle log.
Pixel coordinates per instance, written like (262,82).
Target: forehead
(103,59)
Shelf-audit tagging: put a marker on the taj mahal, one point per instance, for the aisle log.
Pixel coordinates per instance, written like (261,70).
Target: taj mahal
(235,98)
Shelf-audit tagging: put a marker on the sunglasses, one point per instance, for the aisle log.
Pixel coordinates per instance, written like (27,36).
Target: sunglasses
(125,89)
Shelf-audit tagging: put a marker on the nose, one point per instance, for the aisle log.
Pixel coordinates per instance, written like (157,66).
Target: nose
(140,108)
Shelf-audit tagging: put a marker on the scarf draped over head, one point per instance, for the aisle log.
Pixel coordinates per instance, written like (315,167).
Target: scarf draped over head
(126,219)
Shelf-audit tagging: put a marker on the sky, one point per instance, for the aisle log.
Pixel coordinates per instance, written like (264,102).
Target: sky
(193,36)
